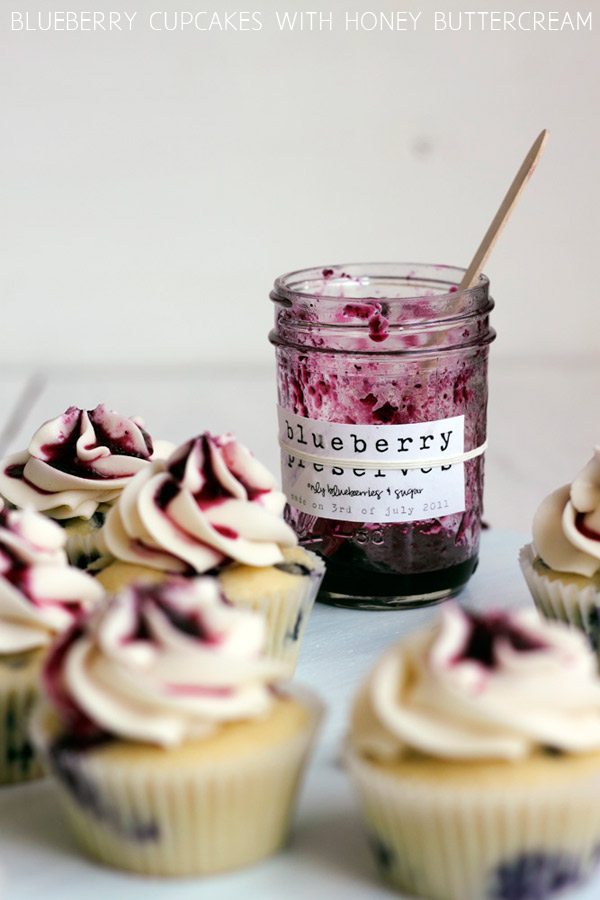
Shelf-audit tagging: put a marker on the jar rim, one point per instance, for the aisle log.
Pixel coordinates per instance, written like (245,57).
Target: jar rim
(429,274)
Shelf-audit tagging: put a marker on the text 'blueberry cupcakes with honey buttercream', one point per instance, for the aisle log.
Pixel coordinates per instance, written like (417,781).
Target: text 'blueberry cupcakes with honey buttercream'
(211,506)
(474,747)
(174,751)
(74,469)
(562,565)
(40,596)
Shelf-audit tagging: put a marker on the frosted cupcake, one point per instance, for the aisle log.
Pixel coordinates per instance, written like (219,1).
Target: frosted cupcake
(212,506)
(562,565)
(475,751)
(40,595)
(75,468)
(173,751)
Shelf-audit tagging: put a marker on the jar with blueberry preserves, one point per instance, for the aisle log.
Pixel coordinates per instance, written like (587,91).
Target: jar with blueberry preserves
(382,393)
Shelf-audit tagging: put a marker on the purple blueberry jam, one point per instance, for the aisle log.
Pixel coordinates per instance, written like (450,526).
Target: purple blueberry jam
(212,491)
(397,347)
(77,724)
(584,529)
(63,454)
(382,852)
(18,570)
(167,492)
(487,632)
(163,596)
(535,876)
(147,598)
(15,471)
(593,627)
(67,760)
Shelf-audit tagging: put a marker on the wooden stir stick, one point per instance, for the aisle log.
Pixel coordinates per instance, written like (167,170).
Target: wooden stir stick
(512,195)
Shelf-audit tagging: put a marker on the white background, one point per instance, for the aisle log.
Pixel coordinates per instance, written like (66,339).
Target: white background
(154,184)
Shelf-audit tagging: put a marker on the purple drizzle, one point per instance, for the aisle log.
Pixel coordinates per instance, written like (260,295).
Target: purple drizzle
(166,493)
(212,492)
(535,876)
(63,453)
(583,529)
(190,622)
(487,632)
(65,758)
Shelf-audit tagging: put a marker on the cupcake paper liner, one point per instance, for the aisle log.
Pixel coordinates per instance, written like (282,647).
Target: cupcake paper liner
(286,613)
(286,609)
(563,600)
(180,820)
(82,545)
(508,842)
(18,693)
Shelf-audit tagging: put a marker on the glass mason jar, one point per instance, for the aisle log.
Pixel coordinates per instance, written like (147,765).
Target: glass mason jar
(382,387)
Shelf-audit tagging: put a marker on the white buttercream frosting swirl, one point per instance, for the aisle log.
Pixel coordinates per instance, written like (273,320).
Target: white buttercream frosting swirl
(163,664)
(40,594)
(77,461)
(497,686)
(566,526)
(210,502)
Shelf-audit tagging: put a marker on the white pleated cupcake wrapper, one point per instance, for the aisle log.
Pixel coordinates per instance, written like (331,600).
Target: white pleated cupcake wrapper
(175,821)
(567,602)
(18,693)
(448,843)
(286,614)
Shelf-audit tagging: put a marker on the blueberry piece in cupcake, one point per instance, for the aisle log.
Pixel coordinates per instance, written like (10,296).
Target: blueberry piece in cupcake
(474,748)
(211,506)
(40,596)
(174,749)
(562,565)
(75,468)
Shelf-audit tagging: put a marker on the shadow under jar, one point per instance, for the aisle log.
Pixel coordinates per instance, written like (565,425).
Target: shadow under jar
(382,387)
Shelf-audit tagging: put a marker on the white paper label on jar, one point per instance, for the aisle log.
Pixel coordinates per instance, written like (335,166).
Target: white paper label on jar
(355,473)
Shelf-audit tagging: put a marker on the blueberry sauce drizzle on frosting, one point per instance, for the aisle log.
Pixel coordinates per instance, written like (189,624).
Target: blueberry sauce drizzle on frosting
(497,686)
(161,664)
(40,594)
(210,502)
(566,526)
(488,633)
(77,461)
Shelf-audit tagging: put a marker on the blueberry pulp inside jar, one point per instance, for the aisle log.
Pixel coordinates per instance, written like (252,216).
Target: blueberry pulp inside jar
(384,345)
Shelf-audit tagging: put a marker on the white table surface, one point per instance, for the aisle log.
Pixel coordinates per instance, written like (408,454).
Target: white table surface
(327,856)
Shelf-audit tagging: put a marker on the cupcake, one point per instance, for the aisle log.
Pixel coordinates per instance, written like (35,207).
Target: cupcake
(75,468)
(562,565)
(475,751)
(40,595)
(211,506)
(173,751)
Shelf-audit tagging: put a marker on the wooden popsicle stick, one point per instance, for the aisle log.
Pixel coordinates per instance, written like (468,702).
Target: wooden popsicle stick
(512,195)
